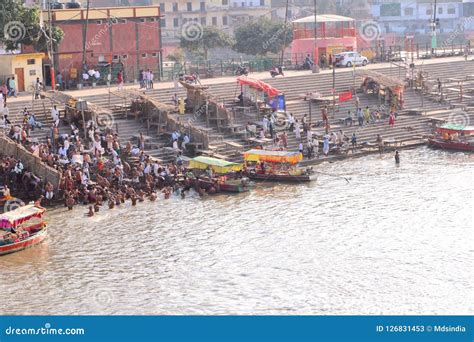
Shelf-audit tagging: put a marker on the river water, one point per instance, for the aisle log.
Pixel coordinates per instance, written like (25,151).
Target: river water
(394,240)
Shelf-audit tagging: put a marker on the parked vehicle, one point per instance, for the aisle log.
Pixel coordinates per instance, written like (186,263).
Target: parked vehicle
(190,79)
(276,70)
(242,71)
(350,58)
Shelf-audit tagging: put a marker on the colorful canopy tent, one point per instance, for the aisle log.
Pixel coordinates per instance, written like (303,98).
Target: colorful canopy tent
(22,214)
(273,156)
(450,128)
(259,85)
(217,165)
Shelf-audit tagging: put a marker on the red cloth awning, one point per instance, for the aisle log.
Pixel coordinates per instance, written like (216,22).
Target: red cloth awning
(260,85)
(345,96)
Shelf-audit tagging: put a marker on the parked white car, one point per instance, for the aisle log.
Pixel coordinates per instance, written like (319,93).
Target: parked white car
(350,58)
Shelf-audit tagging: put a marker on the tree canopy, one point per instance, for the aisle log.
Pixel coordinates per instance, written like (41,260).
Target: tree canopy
(201,39)
(21,25)
(261,36)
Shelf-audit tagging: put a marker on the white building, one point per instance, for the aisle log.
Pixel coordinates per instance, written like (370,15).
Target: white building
(408,16)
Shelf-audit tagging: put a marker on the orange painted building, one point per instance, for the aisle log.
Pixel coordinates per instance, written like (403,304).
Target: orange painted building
(335,34)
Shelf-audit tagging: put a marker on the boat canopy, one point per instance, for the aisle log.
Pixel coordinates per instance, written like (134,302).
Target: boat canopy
(22,214)
(273,156)
(451,128)
(217,165)
(259,85)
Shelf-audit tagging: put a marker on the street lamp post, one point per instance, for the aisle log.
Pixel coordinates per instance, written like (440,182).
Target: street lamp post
(315,46)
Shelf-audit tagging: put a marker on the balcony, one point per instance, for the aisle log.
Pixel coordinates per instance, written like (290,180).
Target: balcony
(324,33)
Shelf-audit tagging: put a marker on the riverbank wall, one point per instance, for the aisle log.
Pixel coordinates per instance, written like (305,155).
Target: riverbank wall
(31,162)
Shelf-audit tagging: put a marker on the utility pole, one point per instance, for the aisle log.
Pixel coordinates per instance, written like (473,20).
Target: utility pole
(84,38)
(315,47)
(51,47)
(433,31)
(285,27)
(333,90)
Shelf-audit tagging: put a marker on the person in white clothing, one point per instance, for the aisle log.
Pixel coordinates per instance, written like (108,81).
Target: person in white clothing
(55,115)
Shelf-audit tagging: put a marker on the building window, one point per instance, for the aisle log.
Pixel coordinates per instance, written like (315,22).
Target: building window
(123,21)
(203,6)
(151,20)
(124,57)
(185,20)
(203,21)
(225,2)
(162,7)
(409,11)
(429,11)
(451,10)
(262,2)
(115,58)
(175,22)
(214,21)
(189,6)
(98,22)
(142,20)
(163,22)
(32,72)
(31,61)
(175,7)
(144,55)
(243,4)
(224,20)
(154,54)
(440,10)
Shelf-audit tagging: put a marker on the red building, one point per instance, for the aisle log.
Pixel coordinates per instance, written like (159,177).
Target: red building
(128,35)
(334,34)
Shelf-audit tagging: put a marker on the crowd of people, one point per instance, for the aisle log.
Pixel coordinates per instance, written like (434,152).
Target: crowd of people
(95,167)
(308,141)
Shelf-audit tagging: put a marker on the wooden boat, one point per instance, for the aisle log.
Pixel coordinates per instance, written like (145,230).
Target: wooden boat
(219,174)
(453,137)
(17,233)
(451,145)
(277,166)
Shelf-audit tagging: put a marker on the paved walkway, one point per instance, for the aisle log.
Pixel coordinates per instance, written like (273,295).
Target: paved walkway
(227,79)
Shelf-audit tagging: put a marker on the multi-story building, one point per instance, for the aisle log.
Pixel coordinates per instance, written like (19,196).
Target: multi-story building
(130,35)
(224,14)
(415,16)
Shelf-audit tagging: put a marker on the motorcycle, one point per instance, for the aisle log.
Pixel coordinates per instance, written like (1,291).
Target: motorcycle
(275,71)
(242,70)
(190,79)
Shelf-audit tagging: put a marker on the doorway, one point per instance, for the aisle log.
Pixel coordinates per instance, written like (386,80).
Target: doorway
(47,75)
(20,79)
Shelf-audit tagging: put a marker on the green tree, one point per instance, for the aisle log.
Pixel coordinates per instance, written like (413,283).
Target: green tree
(21,25)
(200,39)
(261,36)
